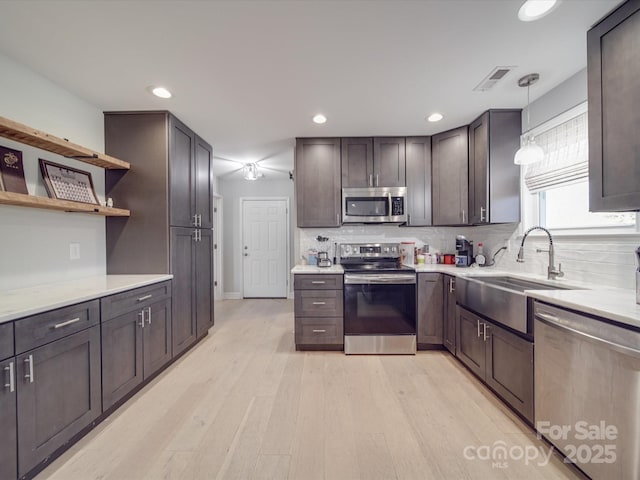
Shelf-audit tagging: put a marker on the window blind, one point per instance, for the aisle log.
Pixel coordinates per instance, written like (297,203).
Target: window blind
(566,156)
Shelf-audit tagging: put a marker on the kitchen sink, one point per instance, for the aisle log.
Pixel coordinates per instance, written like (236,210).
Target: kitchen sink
(500,298)
(517,284)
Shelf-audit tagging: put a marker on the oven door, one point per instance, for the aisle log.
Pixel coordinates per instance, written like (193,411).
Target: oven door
(380,304)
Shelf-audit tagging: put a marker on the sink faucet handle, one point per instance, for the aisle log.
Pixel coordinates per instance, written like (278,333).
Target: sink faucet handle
(560,272)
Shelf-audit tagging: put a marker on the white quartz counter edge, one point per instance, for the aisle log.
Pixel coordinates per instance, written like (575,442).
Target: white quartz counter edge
(23,302)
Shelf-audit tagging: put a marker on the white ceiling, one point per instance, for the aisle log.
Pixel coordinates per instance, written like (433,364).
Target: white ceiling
(249,75)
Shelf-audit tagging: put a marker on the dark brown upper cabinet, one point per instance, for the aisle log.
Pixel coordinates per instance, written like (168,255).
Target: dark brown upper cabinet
(613,66)
(418,152)
(494,180)
(317,177)
(450,169)
(373,162)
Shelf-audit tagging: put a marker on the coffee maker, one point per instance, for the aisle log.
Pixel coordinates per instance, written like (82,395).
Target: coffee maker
(464,252)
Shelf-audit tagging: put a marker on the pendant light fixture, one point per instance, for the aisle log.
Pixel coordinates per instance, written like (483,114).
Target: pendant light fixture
(529,152)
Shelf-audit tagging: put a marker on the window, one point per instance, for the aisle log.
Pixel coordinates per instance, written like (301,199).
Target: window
(556,190)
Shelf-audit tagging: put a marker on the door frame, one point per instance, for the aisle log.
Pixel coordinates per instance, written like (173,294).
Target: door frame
(286,233)
(218,267)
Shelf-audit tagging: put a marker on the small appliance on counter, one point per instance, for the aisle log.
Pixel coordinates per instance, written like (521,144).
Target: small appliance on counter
(323,259)
(464,252)
(407,253)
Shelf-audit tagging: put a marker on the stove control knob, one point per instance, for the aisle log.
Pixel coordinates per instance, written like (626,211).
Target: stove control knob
(385,250)
(346,250)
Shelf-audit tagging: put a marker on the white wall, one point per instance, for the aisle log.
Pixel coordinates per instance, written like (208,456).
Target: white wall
(36,242)
(232,191)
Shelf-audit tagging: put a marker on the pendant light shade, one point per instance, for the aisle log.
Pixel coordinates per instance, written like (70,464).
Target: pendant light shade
(529,152)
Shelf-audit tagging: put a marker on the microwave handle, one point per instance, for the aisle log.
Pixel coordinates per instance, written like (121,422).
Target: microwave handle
(390,204)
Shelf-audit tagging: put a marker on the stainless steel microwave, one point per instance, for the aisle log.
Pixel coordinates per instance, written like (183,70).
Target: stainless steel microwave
(374,205)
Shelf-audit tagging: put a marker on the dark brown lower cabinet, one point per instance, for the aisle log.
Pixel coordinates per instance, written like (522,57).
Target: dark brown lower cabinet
(430,309)
(58,391)
(449,330)
(502,359)
(8,437)
(135,345)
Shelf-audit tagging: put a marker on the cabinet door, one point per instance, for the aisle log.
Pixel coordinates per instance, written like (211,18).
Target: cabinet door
(204,282)
(430,309)
(121,356)
(510,369)
(478,169)
(203,183)
(156,335)
(181,151)
(613,63)
(470,344)
(357,162)
(183,318)
(450,176)
(418,172)
(60,395)
(8,439)
(450,313)
(389,162)
(317,176)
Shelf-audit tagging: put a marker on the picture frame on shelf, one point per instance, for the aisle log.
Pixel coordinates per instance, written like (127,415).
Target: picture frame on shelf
(12,171)
(67,183)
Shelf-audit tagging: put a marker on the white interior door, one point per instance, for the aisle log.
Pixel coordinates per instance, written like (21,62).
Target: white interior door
(264,248)
(217,253)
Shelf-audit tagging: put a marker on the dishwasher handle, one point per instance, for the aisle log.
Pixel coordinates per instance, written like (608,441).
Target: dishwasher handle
(553,321)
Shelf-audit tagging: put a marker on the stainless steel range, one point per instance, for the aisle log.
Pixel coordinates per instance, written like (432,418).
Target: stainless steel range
(379,300)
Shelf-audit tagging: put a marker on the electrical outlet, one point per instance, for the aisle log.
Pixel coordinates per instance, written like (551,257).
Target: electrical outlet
(74,251)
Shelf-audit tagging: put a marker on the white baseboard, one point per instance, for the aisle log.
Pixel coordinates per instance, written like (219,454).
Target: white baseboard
(232,296)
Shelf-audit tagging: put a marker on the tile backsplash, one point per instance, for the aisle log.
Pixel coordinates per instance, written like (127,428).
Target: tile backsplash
(604,260)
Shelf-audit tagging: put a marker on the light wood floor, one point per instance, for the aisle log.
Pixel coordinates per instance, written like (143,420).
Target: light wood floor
(245,405)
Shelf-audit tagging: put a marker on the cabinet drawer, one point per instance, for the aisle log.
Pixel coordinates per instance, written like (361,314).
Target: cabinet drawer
(318,303)
(32,332)
(124,302)
(322,330)
(6,340)
(317,282)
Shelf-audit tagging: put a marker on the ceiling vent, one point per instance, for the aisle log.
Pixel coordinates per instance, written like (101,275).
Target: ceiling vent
(494,77)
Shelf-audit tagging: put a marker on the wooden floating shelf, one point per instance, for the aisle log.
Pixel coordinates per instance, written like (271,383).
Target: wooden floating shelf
(21,200)
(30,136)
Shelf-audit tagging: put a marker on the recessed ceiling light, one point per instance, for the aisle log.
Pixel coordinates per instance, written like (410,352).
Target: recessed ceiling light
(319,118)
(534,9)
(160,92)
(434,117)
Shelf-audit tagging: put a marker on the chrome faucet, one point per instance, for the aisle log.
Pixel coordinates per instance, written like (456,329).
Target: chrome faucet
(552,273)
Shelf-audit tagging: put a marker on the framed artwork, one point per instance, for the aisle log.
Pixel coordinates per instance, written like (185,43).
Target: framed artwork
(66,183)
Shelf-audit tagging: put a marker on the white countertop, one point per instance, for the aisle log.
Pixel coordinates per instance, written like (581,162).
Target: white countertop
(27,301)
(612,303)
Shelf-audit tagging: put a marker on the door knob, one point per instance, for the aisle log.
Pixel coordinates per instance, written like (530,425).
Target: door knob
(246,254)
(246,248)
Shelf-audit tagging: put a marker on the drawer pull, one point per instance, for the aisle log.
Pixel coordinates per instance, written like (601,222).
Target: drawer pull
(319,331)
(29,374)
(318,282)
(67,323)
(12,381)
(319,303)
(146,297)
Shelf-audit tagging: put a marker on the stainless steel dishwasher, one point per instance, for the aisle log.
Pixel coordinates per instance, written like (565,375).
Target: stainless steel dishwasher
(587,390)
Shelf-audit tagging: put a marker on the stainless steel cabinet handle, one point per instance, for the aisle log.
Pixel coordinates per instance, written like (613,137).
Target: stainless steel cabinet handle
(319,303)
(141,316)
(29,374)
(318,282)
(319,331)
(149,315)
(371,179)
(484,331)
(478,327)
(464,216)
(377,180)
(199,220)
(12,380)
(482,212)
(145,297)
(195,220)
(64,324)
(451,286)
(338,218)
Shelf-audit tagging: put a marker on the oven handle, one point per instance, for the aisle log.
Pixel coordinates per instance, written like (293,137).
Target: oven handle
(380,278)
